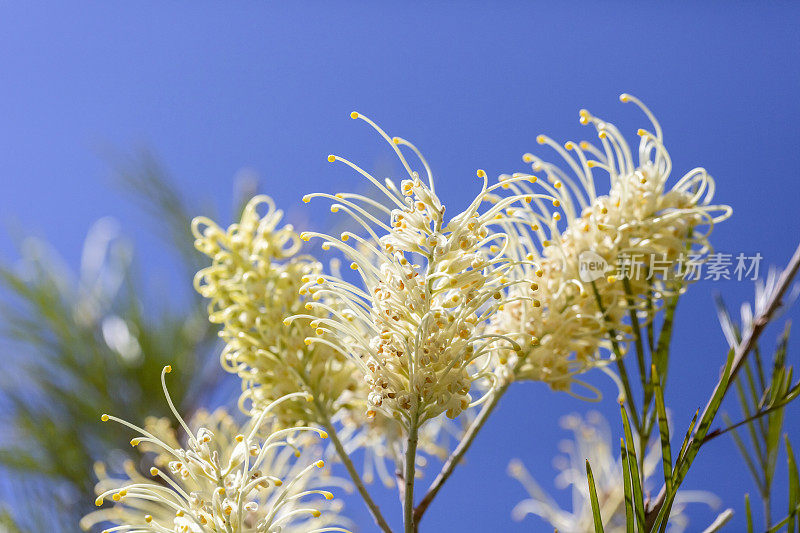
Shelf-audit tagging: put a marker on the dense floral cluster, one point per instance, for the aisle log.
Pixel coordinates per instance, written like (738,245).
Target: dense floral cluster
(437,315)
(414,324)
(253,285)
(639,220)
(224,478)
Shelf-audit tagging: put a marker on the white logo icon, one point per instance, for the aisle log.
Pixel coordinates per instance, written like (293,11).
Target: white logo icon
(591,266)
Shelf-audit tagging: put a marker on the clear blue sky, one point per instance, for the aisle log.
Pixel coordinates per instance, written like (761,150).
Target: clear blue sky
(269,86)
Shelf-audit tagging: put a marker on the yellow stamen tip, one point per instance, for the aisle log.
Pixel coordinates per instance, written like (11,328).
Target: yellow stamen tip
(320,463)
(154,471)
(331,158)
(135,442)
(541,139)
(354,115)
(239,438)
(315,513)
(104,417)
(98,502)
(167,369)
(481,173)
(611,279)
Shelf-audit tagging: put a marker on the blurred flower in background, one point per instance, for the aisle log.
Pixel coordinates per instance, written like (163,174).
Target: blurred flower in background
(592,441)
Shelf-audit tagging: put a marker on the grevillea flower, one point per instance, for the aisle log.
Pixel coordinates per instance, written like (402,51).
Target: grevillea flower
(653,229)
(221,480)
(427,285)
(592,442)
(253,285)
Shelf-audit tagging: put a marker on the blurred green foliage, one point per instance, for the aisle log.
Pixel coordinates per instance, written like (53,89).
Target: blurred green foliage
(78,344)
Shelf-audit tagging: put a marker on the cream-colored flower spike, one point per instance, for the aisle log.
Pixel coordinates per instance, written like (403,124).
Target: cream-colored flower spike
(640,221)
(414,323)
(253,286)
(221,481)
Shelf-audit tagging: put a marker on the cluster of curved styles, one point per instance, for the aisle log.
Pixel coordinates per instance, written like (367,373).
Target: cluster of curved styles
(439,314)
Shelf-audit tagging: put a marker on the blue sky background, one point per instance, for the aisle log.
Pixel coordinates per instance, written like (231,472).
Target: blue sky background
(269,86)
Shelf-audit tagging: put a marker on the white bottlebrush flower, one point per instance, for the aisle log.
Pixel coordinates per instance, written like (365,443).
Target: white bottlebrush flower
(253,285)
(414,324)
(592,441)
(639,219)
(220,480)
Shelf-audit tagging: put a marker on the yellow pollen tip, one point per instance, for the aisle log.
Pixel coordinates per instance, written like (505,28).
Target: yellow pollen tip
(556,203)
(135,442)
(320,463)
(287,321)
(167,369)
(278,482)
(557,185)
(154,471)
(611,279)
(541,139)
(396,140)
(104,417)
(239,438)
(354,266)
(307,341)
(309,398)
(641,133)
(331,158)
(624,97)
(481,173)
(354,115)
(315,513)
(148,518)
(323,434)
(306,199)
(328,495)
(569,145)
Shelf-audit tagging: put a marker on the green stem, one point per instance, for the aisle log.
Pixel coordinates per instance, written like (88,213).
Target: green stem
(455,457)
(411,458)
